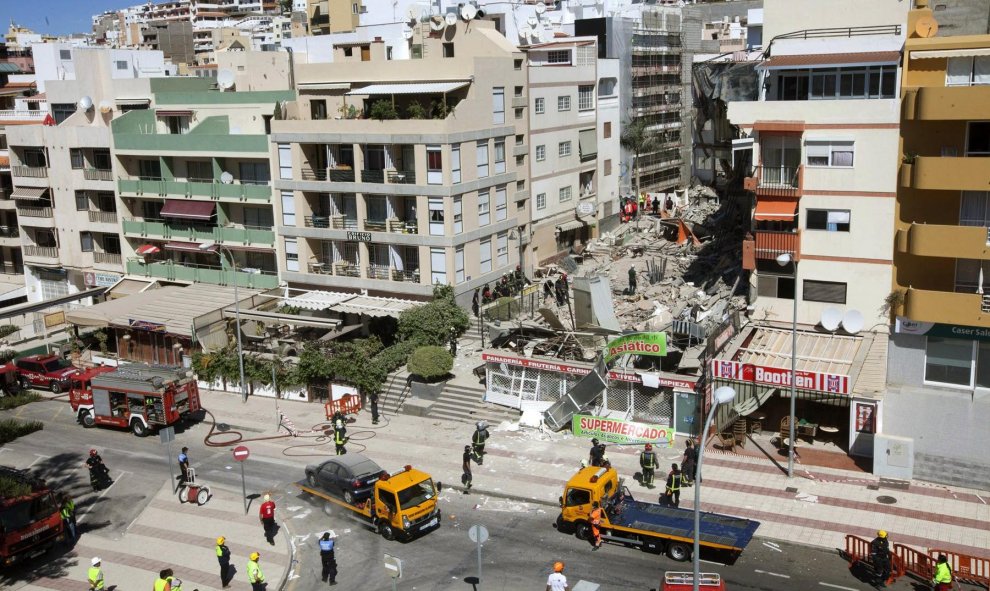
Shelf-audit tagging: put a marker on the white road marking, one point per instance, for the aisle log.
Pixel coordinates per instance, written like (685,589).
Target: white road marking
(100,496)
(836,586)
(772,546)
(712,562)
(763,572)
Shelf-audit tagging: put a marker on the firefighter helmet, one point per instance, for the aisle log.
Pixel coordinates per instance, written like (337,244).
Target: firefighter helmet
(881,534)
(254,556)
(221,540)
(92,452)
(649,447)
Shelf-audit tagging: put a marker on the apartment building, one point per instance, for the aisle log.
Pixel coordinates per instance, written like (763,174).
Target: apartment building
(394,175)
(939,353)
(340,16)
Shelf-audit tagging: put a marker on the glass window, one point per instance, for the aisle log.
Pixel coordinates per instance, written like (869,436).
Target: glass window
(501,204)
(974,210)
(482,152)
(564,149)
(82,201)
(291,254)
(288,209)
(540,106)
(499,156)
(438,266)
(485,256)
(502,244)
(541,153)
(824,291)
(978,138)
(76,158)
(606,86)
(498,105)
(459,264)
(86,241)
(586,97)
(562,56)
(484,207)
(458,215)
(565,194)
(434,165)
(949,361)
(832,220)
(254,173)
(455,163)
(284,161)
(983,365)
(564,103)
(435,205)
(838,154)
(541,201)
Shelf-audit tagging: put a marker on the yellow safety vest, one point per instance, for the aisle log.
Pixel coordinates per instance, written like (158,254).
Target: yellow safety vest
(942,573)
(675,482)
(95,577)
(254,572)
(161,584)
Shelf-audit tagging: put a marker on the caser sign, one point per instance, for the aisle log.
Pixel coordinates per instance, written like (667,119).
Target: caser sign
(777,376)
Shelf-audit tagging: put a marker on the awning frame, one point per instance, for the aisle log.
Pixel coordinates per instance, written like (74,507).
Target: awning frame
(776,210)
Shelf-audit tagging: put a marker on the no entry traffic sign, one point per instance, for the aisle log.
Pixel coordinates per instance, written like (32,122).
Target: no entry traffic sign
(241,453)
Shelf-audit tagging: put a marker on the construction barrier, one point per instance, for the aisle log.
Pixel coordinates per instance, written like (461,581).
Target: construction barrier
(347,404)
(969,569)
(858,550)
(915,562)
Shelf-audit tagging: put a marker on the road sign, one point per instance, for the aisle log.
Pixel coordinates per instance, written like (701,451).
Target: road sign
(394,566)
(478,534)
(241,453)
(166,435)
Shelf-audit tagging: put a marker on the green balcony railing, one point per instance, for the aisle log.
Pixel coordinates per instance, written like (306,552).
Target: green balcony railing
(201,274)
(168,231)
(190,189)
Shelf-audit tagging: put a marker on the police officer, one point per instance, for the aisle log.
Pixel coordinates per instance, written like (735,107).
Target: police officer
(95,575)
(223,557)
(184,465)
(648,462)
(327,557)
(597,454)
(880,557)
(478,440)
(673,491)
(254,574)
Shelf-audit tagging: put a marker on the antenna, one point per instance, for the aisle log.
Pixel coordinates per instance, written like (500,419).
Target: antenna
(853,321)
(469,12)
(85,103)
(451,19)
(225,79)
(831,317)
(414,14)
(437,23)
(541,7)
(226,178)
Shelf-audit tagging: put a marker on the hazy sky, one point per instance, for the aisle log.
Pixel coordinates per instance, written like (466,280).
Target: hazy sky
(64,16)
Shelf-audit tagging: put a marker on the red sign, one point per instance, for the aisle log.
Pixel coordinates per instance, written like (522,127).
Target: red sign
(241,453)
(778,376)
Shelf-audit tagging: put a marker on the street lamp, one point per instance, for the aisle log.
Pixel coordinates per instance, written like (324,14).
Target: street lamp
(225,254)
(722,395)
(783,260)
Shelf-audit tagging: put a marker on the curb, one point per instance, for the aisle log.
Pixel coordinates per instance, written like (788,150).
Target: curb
(292,557)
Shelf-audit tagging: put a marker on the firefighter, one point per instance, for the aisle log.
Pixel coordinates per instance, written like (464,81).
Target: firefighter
(453,341)
(673,490)
(223,557)
(648,462)
(340,440)
(880,557)
(68,513)
(339,422)
(327,557)
(99,474)
(267,515)
(597,514)
(184,465)
(478,441)
(254,574)
(689,462)
(597,453)
(95,575)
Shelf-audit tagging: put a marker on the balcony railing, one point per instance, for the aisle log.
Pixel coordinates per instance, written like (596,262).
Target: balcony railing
(201,273)
(403,227)
(770,244)
(372,176)
(38,172)
(346,269)
(45,252)
(378,272)
(342,223)
(102,217)
(35,212)
(98,174)
(22,115)
(9,232)
(402,177)
(411,276)
(335,175)
(376,225)
(109,258)
(777,181)
(189,189)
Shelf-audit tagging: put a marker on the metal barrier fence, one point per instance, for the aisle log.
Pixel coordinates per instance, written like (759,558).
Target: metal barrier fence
(969,569)
(908,560)
(528,301)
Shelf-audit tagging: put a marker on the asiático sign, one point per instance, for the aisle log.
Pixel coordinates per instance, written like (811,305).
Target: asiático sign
(637,343)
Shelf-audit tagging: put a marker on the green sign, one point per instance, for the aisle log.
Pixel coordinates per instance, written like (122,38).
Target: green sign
(948,331)
(618,431)
(638,343)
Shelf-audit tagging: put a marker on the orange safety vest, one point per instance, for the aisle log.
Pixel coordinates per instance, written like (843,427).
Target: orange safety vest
(596,516)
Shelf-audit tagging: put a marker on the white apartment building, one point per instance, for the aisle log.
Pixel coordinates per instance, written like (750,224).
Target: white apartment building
(57,61)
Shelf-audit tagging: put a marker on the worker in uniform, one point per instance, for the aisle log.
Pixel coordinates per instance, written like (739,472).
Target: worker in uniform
(95,575)
(184,465)
(373,397)
(478,440)
(560,289)
(648,462)
(254,574)
(340,440)
(267,516)
(632,280)
(466,467)
(597,515)
(557,581)
(673,490)
(597,453)
(223,557)
(68,512)
(162,582)
(689,462)
(99,474)
(943,574)
(880,558)
(327,557)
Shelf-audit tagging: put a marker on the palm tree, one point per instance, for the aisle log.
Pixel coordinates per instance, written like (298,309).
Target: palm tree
(639,140)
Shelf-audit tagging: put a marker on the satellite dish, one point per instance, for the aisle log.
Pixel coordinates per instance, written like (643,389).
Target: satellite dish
(831,317)
(413,14)
(106,106)
(85,103)
(541,8)
(407,33)
(469,12)
(451,19)
(226,178)
(853,322)
(532,21)
(437,23)
(225,79)
(525,32)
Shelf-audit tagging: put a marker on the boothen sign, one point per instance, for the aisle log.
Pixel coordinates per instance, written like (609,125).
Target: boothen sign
(616,431)
(776,376)
(638,343)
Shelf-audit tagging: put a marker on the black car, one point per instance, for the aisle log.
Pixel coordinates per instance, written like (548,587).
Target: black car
(351,476)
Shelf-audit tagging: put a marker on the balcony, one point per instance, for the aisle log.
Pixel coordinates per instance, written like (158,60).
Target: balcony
(200,274)
(196,233)
(40,252)
(946,103)
(770,244)
(934,240)
(339,222)
(376,225)
(22,115)
(381,272)
(98,174)
(967,309)
(334,175)
(36,172)
(107,258)
(102,217)
(372,176)
(210,135)
(776,181)
(948,173)
(159,188)
(401,177)
(35,212)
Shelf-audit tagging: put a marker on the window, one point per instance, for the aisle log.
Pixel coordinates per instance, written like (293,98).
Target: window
(448,50)
(484,207)
(64,54)
(517,91)
(564,195)
(355,9)
(458,215)
(837,154)
(973,210)
(586,97)
(199,170)
(501,203)
(608,168)
(950,361)
(561,56)
(968,275)
(459,264)
(62,111)
(101,159)
(76,158)
(824,291)
(832,220)
(121,64)
(435,205)
(774,281)
(82,201)
(284,161)
(288,209)
(520,139)
(564,103)
(606,86)
(485,256)
(520,160)
(502,245)
(541,153)
(517,64)
(348,52)
(254,173)
(499,156)
(838,83)
(438,266)
(498,105)
(86,241)
(434,165)
(482,159)
(291,254)
(455,163)
(577,497)
(317,109)
(150,170)
(564,149)
(111,243)
(607,129)
(968,71)
(978,138)
(519,112)
(540,106)
(541,201)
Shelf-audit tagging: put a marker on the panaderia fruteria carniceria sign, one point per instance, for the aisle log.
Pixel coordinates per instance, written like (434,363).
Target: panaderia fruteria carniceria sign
(637,343)
(776,376)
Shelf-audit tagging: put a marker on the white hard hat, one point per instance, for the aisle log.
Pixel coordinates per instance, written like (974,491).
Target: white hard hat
(95,561)
(268,498)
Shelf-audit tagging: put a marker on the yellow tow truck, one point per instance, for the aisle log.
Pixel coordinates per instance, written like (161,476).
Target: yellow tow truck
(402,504)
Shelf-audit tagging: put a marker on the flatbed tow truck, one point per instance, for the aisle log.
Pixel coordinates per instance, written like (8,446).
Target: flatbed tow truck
(403,504)
(649,526)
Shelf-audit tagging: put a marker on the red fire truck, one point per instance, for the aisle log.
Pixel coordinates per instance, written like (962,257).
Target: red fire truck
(139,397)
(30,522)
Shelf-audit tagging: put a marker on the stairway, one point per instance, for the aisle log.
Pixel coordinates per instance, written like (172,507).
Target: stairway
(465,404)
(389,399)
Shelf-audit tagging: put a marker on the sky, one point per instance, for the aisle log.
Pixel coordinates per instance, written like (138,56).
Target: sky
(64,16)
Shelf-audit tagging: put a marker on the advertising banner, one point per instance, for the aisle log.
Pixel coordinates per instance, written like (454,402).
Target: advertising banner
(618,431)
(776,376)
(639,343)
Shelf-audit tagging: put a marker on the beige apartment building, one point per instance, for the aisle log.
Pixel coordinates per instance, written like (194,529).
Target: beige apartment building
(395,175)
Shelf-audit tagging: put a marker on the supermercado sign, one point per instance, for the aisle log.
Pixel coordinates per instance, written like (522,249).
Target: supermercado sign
(776,376)
(639,343)
(580,371)
(616,431)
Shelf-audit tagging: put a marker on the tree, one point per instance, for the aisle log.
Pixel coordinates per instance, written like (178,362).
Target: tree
(431,323)
(430,363)
(639,140)
(383,109)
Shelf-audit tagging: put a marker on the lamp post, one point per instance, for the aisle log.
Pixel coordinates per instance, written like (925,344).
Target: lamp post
(225,254)
(783,260)
(722,395)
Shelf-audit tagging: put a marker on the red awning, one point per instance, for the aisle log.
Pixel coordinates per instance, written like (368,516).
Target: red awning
(188,210)
(147,249)
(184,246)
(782,210)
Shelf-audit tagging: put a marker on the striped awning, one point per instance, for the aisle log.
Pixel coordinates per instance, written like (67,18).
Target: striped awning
(943,53)
(184,246)
(29,193)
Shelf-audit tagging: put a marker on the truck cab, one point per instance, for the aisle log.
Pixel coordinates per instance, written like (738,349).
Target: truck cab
(587,486)
(30,522)
(405,503)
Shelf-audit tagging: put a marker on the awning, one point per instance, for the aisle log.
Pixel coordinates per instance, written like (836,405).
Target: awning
(9,68)
(29,193)
(126,287)
(410,88)
(189,210)
(133,101)
(782,210)
(571,225)
(184,246)
(325,86)
(588,143)
(940,53)
(350,303)
(173,113)
(147,249)
(781,62)
(38,98)
(244,248)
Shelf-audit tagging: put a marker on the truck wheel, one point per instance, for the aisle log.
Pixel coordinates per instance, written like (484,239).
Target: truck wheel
(55,387)
(311,480)
(349,497)
(386,531)
(679,552)
(582,531)
(138,428)
(87,420)
(25,383)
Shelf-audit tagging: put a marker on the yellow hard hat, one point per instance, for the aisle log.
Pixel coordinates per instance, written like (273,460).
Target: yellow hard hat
(221,540)
(254,556)
(558,567)
(882,534)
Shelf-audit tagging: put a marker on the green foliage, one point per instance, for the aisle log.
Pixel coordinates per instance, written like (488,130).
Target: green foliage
(394,357)
(12,488)
(383,109)
(350,362)
(11,429)
(431,323)
(8,329)
(439,109)
(19,399)
(287,309)
(638,139)
(431,363)
(101,339)
(348,111)
(416,110)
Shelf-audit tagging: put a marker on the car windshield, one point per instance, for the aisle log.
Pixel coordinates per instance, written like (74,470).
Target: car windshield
(23,514)
(53,365)
(416,494)
(363,469)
